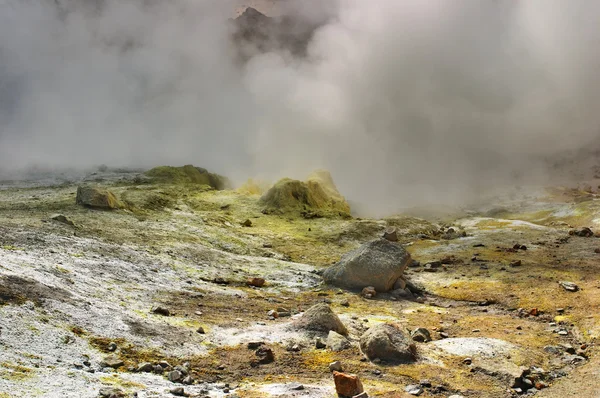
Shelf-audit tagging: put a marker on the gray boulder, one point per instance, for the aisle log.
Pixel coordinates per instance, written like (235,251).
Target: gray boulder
(378,263)
(387,343)
(321,319)
(336,342)
(96,198)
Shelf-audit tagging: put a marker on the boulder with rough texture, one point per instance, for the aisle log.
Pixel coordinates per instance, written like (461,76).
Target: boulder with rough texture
(321,319)
(347,385)
(336,342)
(96,198)
(378,264)
(112,361)
(387,343)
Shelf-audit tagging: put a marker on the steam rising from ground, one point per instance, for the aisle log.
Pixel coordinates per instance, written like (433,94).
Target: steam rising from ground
(404,101)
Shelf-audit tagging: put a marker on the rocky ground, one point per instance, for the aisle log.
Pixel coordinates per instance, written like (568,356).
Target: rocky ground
(164,296)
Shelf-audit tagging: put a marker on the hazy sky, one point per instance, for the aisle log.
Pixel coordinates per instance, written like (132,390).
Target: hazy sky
(404,101)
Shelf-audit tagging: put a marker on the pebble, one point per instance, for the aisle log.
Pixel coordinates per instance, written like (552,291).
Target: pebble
(414,389)
(200,330)
(145,367)
(178,391)
(335,366)
(161,311)
(175,376)
(569,286)
(296,387)
(112,346)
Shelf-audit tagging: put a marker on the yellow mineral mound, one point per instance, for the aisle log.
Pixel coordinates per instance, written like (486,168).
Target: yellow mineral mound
(317,197)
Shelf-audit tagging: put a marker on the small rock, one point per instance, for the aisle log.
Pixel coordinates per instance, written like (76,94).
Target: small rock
(345,303)
(256,282)
(361,395)
(112,346)
(188,380)
(414,389)
(145,367)
(516,263)
(391,234)
(569,286)
(421,335)
(444,335)
(347,385)
(273,314)
(175,376)
(247,223)
(583,232)
(319,343)
(430,268)
(336,342)
(178,391)
(335,366)
(161,311)
(200,330)
(158,369)
(109,392)
(62,219)
(253,345)
(112,361)
(369,292)
(320,318)
(425,383)
(164,364)
(265,355)
(467,361)
(295,387)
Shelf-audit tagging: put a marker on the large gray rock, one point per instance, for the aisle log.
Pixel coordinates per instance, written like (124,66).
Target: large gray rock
(378,263)
(320,318)
(336,342)
(387,343)
(96,198)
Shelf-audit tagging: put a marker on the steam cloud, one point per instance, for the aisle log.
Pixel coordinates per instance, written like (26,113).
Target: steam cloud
(404,101)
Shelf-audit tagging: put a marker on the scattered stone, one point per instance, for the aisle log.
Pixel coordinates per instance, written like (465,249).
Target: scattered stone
(221,281)
(569,286)
(583,232)
(516,263)
(320,318)
(378,263)
(421,335)
(368,292)
(414,264)
(319,343)
(347,385)
(273,314)
(164,364)
(336,366)
(112,361)
(200,330)
(444,335)
(145,367)
(345,303)
(109,392)
(161,311)
(96,198)
(414,389)
(158,369)
(178,391)
(188,380)
(361,395)
(391,234)
(247,223)
(62,219)
(295,387)
(265,355)
(256,282)
(429,268)
(387,342)
(336,342)
(253,345)
(175,376)
(112,346)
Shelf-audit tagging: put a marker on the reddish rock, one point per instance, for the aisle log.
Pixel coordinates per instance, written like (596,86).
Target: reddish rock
(369,292)
(347,385)
(391,234)
(256,282)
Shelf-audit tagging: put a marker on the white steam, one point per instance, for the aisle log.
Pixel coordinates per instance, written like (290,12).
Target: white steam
(404,101)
